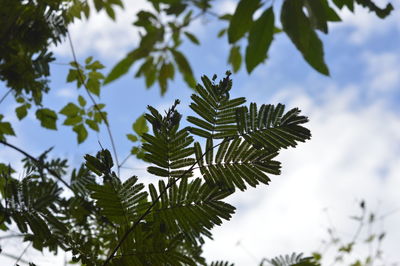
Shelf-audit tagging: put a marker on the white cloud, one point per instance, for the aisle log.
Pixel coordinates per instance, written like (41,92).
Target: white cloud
(343,162)
(225,6)
(67,93)
(365,25)
(383,70)
(102,35)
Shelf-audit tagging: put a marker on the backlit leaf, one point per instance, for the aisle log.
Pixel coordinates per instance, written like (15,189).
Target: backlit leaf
(298,28)
(242,19)
(47,117)
(260,38)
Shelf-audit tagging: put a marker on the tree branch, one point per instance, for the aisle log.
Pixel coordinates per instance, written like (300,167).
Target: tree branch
(52,172)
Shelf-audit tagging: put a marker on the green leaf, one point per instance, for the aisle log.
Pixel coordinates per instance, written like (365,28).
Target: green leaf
(235,58)
(123,66)
(221,33)
(93,86)
(21,111)
(184,68)
(317,14)
(88,60)
(192,38)
(72,75)
(47,117)
(380,12)
(167,71)
(92,124)
(70,109)
(95,66)
(82,101)
(260,38)
(242,19)
(6,129)
(298,28)
(72,120)
(81,132)
(140,126)
(132,137)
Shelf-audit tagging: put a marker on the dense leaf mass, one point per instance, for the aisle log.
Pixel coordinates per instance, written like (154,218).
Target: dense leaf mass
(108,221)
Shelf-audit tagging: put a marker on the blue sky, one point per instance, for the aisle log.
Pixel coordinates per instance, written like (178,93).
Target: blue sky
(354,118)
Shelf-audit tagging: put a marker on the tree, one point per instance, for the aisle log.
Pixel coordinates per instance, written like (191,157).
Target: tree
(257,134)
(114,222)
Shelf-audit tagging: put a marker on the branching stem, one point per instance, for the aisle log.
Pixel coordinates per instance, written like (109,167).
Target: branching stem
(148,210)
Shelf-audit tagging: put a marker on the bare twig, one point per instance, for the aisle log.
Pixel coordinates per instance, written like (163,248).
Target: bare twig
(11,236)
(5,96)
(23,252)
(5,254)
(94,102)
(169,185)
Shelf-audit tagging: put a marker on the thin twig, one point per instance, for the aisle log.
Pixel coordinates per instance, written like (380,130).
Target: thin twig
(5,96)
(52,172)
(124,160)
(94,102)
(170,184)
(23,252)
(11,236)
(12,256)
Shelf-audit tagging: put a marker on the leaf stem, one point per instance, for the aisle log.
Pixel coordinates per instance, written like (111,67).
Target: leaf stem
(169,185)
(38,162)
(110,135)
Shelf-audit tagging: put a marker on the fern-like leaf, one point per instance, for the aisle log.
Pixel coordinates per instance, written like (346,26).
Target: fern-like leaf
(237,163)
(270,127)
(120,203)
(191,208)
(290,260)
(216,110)
(169,149)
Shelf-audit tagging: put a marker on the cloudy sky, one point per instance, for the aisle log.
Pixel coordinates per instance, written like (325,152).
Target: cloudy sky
(354,116)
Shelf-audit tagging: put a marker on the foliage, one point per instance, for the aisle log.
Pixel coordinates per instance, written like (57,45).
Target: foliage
(159,54)
(27,29)
(25,56)
(108,221)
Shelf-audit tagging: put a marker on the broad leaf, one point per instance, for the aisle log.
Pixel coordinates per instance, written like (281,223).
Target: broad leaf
(242,19)
(235,58)
(47,117)
(81,132)
(298,27)
(260,38)
(184,68)
(123,66)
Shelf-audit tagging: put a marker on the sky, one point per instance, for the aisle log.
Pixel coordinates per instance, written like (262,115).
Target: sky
(354,152)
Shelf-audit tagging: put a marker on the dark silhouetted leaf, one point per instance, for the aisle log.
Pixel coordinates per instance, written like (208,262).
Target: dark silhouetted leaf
(47,117)
(260,38)
(298,28)
(242,19)
(235,58)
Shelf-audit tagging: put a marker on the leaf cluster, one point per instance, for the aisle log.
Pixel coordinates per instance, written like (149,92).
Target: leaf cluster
(27,29)
(108,221)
